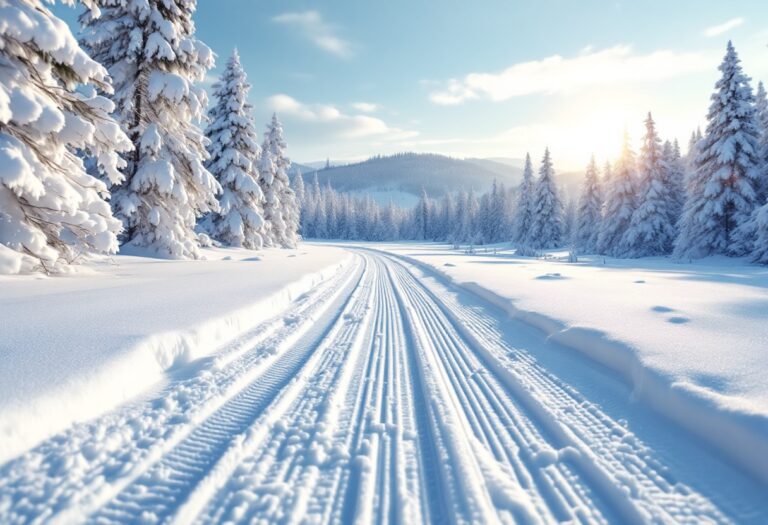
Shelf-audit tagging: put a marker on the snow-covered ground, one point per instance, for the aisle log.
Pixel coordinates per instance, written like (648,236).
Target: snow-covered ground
(691,339)
(75,346)
(375,389)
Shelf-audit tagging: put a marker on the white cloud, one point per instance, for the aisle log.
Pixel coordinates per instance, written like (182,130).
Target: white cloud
(365,107)
(723,28)
(312,26)
(556,74)
(340,124)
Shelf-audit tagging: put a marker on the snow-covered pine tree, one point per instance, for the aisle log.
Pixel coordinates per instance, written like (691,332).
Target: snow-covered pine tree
(619,203)
(470,229)
(320,217)
(722,188)
(150,50)
(457,233)
(521,222)
(546,229)
(447,213)
(651,230)
(331,210)
(388,223)
(761,106)
(51,210)
(759,228)
(484,219)
(675,173)
(297,185)
(569,218)
(281,210)
(752,235)
(501,212)
(589,211)
(234,152)
(422,216)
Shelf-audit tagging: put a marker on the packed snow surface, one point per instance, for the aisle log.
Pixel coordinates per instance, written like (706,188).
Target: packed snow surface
(384,393)
(75,346)
(690,338)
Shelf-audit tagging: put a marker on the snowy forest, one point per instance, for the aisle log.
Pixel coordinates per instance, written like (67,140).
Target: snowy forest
(100,145)
(655,202)
(100,148)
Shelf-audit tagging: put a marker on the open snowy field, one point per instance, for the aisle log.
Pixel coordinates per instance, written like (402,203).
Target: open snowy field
(75,346)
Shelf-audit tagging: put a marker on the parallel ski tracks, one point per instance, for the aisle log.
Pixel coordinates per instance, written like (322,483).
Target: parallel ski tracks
(384,399)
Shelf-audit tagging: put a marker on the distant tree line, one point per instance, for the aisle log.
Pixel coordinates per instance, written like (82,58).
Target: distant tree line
(657,202)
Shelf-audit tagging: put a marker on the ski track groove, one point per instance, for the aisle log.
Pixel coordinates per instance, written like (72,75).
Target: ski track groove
(379,397)
(177,472)
(607,454)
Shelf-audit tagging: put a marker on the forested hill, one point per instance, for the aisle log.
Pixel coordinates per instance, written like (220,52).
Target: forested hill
(410,172)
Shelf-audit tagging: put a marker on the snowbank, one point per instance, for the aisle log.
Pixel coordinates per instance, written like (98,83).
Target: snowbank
(74,347)
(690,339)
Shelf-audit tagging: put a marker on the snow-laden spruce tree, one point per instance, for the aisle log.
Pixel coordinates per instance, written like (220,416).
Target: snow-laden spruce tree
(619,203)
(547,218)
(651,230)
(674,166)
(297,185)
(761,106)
(521,222)
(320,217)
(281,209)
(154,59)
(457,233)
(589,213)
(422,216)
(51,210)
(470,230)
(234,153)
(722,188)
(447,214)
(759,230)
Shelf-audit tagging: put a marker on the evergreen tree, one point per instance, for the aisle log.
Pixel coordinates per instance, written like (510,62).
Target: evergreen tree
(569,218)
(312,210)
(524,209)
(331,211)
(651,230)
(281,209)
(470,230)
(761,107)
(234,153)
(445,217)
(51,209)
(619,203)
(760,228)
(547,211)
(457,234)
(501,212)
(301,199)
(722,188)
(154,59)
(675,175)
(320,219)
(696,136)
(589,211)
(298,187)
(422,216)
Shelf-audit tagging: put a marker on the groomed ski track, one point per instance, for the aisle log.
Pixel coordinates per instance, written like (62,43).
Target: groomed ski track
(378,397)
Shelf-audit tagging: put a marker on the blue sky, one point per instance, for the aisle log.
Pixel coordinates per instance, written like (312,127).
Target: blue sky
(350,79)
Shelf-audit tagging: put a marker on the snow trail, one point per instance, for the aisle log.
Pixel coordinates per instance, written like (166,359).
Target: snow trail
(382,396)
